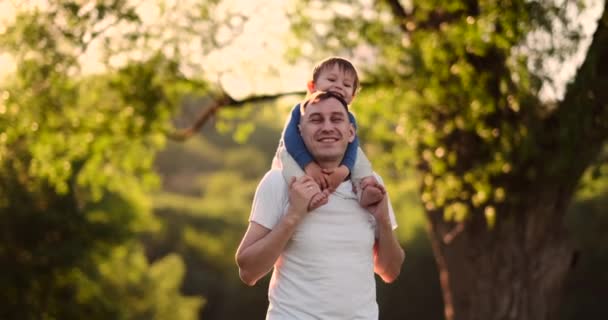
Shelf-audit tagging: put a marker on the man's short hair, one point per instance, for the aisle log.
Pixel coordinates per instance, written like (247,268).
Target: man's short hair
(319,96)
(343,64)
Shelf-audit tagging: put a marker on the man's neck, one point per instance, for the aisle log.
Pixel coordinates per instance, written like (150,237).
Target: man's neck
(328,164)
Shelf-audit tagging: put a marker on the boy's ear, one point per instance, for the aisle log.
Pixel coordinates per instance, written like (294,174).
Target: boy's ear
(311,86)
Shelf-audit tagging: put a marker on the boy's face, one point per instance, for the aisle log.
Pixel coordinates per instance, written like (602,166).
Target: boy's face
(335,80)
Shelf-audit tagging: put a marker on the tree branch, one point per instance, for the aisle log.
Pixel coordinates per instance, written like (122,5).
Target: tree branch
(399,14)
(436,17)
(580,122)
(224,101)
(587,95)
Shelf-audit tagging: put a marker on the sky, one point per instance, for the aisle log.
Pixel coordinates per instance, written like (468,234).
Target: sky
(564,71)
(253,64)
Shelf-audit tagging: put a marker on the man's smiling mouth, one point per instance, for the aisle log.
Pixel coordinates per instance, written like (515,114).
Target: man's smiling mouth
(328,139)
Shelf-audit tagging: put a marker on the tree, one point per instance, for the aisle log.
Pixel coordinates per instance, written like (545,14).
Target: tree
(76,155)
(449,90)
(453,90)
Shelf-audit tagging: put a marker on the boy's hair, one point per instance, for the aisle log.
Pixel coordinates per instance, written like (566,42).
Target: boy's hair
(343,64)
(319,96)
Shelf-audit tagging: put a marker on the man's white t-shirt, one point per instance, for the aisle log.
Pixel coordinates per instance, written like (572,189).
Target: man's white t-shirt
(326,270)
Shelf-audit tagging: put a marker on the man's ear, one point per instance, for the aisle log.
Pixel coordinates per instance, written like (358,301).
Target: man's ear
(351,133)
(311,86)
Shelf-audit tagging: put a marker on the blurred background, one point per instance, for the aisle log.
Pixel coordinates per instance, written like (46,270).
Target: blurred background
(133,135)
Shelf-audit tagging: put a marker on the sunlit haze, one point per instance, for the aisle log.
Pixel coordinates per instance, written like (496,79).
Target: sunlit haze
(253,62)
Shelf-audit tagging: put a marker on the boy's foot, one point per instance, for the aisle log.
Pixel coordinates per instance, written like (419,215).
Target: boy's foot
(319,199)
(371,195)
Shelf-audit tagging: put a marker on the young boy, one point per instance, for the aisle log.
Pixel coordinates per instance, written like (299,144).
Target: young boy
(339,76)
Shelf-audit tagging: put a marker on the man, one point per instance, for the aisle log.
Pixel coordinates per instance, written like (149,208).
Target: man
(324,260)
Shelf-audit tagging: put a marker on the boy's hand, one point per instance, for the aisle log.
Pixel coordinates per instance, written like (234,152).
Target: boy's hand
(336,176)
(314,171)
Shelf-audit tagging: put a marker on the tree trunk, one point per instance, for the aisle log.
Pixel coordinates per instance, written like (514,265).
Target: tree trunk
(512,271)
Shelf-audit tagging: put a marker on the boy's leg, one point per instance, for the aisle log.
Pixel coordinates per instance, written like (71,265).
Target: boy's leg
(370,191)
(319,199)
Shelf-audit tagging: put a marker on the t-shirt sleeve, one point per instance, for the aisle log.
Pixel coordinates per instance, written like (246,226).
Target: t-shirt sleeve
(270,200)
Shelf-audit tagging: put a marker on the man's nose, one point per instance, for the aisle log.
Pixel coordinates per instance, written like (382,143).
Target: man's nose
(327,125)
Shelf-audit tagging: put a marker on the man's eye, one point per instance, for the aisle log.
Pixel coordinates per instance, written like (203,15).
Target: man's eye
(337,119)
(348,85)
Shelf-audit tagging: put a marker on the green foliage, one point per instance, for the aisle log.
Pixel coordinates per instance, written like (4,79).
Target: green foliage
(594,179)
(76,156)
(204,207)
(144,291)
(453,94)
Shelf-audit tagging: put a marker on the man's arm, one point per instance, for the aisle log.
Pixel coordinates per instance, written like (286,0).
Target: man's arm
(388,254)
(261,247)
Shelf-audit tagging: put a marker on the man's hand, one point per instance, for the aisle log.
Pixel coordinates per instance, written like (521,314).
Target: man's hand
(371,181)
(313,170)
(380,211)
(301,191)
(335,177)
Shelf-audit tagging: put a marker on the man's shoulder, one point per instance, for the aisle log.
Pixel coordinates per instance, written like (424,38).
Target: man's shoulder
(274,178)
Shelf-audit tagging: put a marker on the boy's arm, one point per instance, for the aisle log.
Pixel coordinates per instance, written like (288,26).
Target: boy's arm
(293,140)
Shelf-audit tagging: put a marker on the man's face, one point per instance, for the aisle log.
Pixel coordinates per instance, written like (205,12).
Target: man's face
(336,80)
(326,130)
